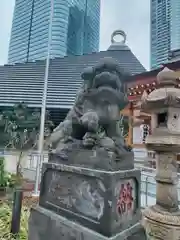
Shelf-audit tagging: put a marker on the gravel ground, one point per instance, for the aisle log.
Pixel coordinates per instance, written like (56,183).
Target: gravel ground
(30,201)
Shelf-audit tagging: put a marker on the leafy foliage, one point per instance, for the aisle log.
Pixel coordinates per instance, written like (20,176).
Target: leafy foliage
(21,125)
(6,179)
(2,172)
(5,222)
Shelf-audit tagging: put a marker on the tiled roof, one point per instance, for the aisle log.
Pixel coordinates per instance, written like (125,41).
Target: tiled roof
(24,81)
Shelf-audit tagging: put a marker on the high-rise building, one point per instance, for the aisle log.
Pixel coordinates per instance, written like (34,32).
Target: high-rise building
(175,25)
(160,32)
(75,29)
(165,30)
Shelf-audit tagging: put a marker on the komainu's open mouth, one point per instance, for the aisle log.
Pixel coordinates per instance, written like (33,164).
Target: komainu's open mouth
(107,81)
(106,87)
(104,83)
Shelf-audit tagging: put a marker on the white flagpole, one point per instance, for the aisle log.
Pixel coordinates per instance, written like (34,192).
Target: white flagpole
(43,108)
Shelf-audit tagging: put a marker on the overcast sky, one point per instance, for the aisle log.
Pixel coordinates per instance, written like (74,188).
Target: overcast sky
(132,16)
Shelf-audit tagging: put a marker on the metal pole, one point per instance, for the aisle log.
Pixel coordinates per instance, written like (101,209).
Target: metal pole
(16,212)
(146,192)
(43,108)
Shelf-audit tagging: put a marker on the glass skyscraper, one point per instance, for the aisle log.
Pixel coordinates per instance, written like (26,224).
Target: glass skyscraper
(165,30)
(75,29)
(175,24)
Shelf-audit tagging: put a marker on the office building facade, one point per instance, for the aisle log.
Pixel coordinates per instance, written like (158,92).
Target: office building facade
(165,30)
(75,29)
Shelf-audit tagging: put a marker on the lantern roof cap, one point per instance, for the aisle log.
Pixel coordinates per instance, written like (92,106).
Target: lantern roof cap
(166,95)
(167,77)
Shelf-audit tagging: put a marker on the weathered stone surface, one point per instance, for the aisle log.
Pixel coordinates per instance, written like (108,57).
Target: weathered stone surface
(93,121)
(98,158)
(162,221)
(46,225)
(105,201)
(160,224)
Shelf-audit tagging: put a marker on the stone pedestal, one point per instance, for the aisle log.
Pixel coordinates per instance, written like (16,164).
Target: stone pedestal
(161,225)
(99,158)
(162,221)
(47,225)
(84,203)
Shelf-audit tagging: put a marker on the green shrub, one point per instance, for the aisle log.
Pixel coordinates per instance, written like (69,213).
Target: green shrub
(6,179)
(3,173)
(5,223)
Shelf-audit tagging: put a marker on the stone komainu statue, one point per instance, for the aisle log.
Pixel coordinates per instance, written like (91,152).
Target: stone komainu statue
(93,121)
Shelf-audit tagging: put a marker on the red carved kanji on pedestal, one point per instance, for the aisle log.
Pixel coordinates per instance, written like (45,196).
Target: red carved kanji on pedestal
(125,201)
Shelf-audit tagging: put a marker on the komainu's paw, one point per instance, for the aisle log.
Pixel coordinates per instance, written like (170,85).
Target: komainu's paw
(89,139)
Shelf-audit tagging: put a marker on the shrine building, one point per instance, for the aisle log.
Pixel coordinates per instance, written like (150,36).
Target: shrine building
(139,122)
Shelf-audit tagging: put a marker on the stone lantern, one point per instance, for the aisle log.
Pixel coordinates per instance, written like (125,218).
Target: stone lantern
(162,221)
